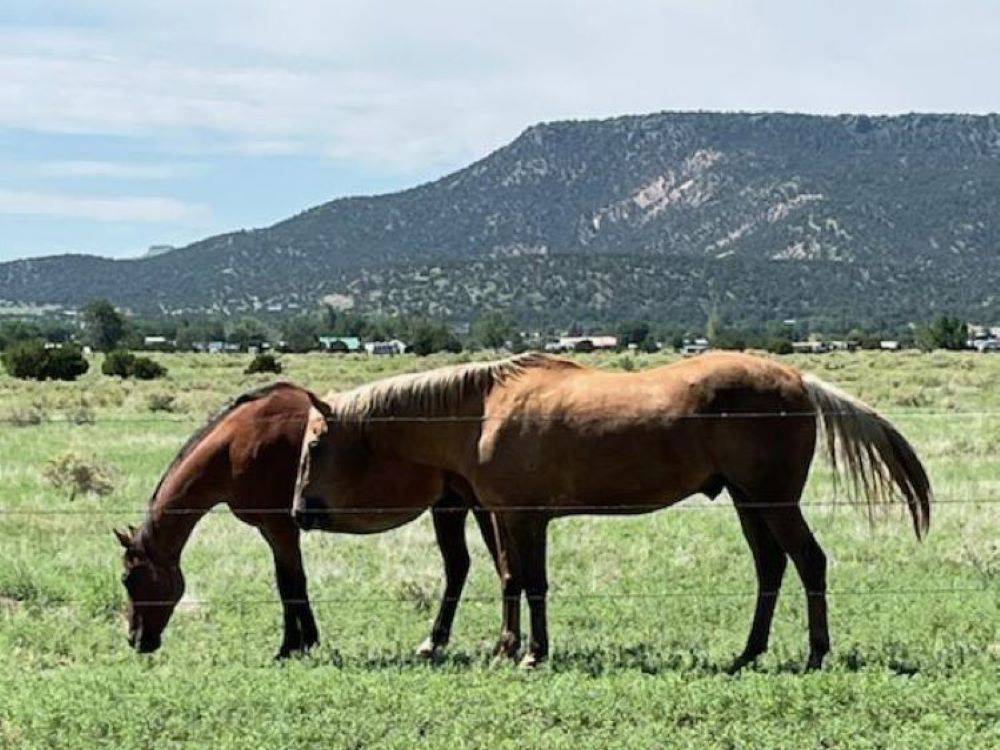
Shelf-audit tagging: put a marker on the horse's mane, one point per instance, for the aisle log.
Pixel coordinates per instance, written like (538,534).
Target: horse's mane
(202,432)
(436,392)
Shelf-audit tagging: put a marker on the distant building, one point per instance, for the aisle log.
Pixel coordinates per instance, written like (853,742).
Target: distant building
(385,348)
(889,346)
(977,331)
(162,343)
(340,344)
(692,347)
(842,346)
(810,347)
(983,338)
(215,347)
(582,344)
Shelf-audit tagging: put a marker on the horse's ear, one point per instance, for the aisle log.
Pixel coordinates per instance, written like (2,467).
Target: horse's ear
(124,539)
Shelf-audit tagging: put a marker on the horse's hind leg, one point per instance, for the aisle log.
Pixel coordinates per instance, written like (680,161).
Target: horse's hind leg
(769,563)
(449,515)
(793,534)
(300,625)
(523,568)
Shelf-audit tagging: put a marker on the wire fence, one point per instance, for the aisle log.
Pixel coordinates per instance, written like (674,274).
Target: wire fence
(983,500)
(425,599)
(624,508)
(91,420)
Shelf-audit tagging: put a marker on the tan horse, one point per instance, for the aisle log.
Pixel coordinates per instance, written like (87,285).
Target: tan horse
(247,457)
(536,437)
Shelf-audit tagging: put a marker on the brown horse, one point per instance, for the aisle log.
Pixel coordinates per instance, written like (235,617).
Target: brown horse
(537,437)
(247,456)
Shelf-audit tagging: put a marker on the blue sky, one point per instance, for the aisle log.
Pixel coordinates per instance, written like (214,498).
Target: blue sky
(127,123)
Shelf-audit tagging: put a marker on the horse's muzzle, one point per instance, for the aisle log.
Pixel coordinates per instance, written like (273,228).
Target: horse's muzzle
(141,643)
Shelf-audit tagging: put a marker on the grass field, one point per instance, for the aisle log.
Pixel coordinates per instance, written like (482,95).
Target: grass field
(644,611)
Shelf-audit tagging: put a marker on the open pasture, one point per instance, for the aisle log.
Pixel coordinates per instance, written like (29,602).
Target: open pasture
(644,611)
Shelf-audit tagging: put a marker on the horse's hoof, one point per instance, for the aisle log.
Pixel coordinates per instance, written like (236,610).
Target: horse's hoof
(429,650)
(529,661)
(739,663)
(508,647)
(814,664)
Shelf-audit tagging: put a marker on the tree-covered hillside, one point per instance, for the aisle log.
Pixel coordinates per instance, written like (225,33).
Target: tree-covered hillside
(648,216)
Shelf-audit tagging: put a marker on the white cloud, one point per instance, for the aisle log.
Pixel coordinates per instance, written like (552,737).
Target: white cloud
(115,170)
(413,85)
(112,209)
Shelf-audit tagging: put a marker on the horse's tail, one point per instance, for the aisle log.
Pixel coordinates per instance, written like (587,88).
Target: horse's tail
(870,451)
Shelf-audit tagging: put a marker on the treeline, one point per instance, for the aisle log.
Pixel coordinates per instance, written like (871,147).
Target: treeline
(51,348)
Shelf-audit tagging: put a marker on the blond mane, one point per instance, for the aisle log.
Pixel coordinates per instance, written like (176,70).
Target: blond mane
(435,393)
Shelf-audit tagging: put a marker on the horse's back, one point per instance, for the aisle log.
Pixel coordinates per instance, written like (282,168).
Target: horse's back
(601,437)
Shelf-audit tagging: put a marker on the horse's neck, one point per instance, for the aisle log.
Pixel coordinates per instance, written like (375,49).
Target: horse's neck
(180,503)
(441,439)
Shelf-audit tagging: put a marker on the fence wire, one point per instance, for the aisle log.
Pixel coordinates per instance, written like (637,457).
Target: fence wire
(569,509)
(28,421)
(9,603)
(557,596)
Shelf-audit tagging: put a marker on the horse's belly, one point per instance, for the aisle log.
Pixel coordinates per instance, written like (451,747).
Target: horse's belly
(613,469)
(351,522)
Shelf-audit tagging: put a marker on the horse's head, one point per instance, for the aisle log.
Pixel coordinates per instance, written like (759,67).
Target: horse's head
(344,484)
(318,461)
(153,587)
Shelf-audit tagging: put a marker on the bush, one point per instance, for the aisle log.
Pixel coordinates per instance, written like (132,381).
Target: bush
(28,417)
(79,474)
(944,332)
(428,338)
(263,363)
(147,369)
(124,364)
(161,402)
(31,360)
(119,362)
(780,346)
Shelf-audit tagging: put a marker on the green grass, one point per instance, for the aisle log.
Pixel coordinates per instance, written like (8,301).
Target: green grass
(906,670)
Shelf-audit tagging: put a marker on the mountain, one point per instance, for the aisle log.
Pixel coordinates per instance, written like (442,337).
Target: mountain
(660,216)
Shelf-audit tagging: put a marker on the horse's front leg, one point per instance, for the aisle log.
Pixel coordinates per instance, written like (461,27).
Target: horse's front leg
(300,631)
(449,515)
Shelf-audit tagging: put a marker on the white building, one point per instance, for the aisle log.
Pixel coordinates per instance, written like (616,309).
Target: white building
(698,346)
(385,348)
(582,343)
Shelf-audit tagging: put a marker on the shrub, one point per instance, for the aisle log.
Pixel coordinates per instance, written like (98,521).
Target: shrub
(944,332)
(79,474)
(148,369)
(780,346)
(263,363)
(81,415)
(31,360)
(161,402)
(124,364)
(119,362)
(24,417)
(625,363)
(427,338)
